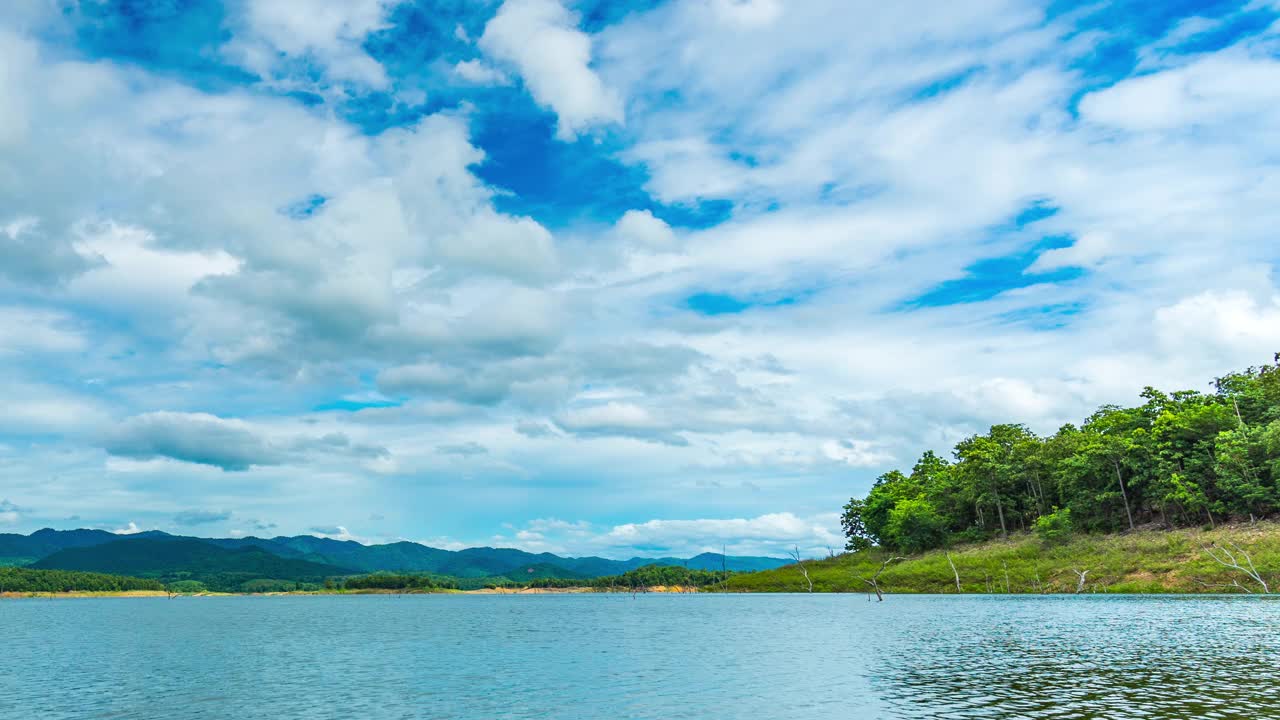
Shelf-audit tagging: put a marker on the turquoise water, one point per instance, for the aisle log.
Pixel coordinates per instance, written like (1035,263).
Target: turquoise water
(654,656)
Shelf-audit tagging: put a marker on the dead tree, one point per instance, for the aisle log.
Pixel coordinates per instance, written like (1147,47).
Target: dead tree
(1233,584)
(874,582)
(1006,576)
(954,572)
(1227,558)
(803,570)
(1080,584)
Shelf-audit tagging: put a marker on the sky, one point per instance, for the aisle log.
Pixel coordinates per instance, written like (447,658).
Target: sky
(611,277)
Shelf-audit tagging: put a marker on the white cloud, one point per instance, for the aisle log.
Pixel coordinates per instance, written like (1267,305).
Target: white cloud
(771,535)
(338,532)
(479,73)
(198,438)
(640,228)
(858,453)
(619,419)
(1231,322)
(33,407)
(1087,250)
(541,39)
(24,330)
(329,34)
(230,251)
(1228,86)
(747,13)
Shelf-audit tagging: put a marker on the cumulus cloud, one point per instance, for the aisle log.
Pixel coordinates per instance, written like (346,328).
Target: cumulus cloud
(541,39)
(642,229)
(169,244)
(278,38)
(197,438)
(1232,321)
(619,419)
(773,534)
(477,72)
(337,532)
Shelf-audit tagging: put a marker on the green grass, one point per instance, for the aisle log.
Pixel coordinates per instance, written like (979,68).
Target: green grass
(1146,561)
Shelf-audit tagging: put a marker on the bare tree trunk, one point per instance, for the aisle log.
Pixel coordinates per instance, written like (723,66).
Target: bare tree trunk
(1080,584)
(803,570)
(1123,493)
(954,572)
(874,582)
(1006,576)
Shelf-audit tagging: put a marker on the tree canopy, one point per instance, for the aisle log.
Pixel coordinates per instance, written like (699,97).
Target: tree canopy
(1186,458)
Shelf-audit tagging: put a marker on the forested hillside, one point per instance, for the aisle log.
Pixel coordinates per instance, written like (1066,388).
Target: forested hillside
(1178,459)
(26,580)
(180,559)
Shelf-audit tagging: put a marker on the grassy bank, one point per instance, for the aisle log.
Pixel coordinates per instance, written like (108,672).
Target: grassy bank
(1146,561)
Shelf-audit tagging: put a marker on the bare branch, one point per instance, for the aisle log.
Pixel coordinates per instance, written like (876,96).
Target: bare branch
(1233,583)
(803,570)
(874,582)
(1227,558)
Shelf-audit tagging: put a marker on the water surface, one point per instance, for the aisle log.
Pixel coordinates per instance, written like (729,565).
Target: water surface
(654,656)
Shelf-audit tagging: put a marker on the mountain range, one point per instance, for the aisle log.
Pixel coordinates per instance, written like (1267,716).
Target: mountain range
(306,558)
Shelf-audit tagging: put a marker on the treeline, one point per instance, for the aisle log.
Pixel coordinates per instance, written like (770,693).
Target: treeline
(24,580)
(387,581)
(647,576)
(1182,459)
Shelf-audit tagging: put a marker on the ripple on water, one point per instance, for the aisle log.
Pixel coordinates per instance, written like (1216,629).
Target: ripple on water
(591,656)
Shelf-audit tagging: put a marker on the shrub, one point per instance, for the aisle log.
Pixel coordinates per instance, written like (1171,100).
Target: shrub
(1054,528)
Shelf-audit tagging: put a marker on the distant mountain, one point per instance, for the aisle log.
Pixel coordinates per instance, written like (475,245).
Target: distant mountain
(403,557)
(26,549)
(173,558)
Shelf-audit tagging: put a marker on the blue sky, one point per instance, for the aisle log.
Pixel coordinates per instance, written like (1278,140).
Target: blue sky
(603,277)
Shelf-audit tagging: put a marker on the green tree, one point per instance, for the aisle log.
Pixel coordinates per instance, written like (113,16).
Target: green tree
(855,530)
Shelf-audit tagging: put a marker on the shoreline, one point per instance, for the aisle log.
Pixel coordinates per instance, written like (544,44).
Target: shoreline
(149,594)
(659,589)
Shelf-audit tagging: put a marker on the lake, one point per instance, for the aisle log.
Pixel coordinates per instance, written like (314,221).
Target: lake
(654,656)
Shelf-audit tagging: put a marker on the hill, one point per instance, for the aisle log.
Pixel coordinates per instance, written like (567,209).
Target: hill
(26,549)
(173,559)
(396,557)
(1144,561)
